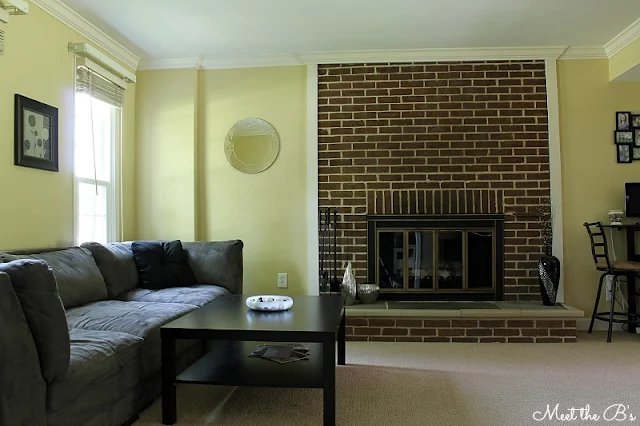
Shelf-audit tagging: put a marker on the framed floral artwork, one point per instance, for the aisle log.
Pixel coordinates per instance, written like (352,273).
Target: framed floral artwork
(36,134)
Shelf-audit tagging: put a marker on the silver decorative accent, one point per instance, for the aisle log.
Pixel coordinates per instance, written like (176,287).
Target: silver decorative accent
(368,293)
(548,284)
(349,286)
(252,127)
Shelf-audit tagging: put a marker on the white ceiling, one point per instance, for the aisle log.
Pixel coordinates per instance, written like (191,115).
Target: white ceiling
(167,29)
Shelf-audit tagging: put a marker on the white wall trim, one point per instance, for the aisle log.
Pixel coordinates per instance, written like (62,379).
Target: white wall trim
(582,324)
(168,64)
(622,40)
(73,20)
(585,52)
(432,55)
(361,56)
(555,166)
(313,244)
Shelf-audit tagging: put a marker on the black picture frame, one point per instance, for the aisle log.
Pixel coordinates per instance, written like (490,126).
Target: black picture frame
(623,137)
(635,121)
(35,134)
(624,153)
(636,153)
(636,137)
(623,120)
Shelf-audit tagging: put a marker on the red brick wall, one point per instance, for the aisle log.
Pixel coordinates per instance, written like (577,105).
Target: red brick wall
(402,130)
(461,330)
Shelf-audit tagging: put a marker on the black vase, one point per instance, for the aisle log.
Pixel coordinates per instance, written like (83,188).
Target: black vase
(549,279)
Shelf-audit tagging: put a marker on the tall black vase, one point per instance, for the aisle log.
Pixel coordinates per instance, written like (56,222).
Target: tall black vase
(549,279)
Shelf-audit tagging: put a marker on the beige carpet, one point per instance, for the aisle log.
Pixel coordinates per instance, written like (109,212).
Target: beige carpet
(425,384)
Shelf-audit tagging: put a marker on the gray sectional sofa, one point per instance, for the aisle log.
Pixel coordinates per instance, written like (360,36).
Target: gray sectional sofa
(80,342)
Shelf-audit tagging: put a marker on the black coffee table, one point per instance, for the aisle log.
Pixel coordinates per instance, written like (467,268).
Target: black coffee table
(316,320)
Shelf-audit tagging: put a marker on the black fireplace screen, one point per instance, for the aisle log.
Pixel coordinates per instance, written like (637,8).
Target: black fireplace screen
(437,256)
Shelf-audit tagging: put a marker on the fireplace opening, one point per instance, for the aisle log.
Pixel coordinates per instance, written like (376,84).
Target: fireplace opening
(437,257)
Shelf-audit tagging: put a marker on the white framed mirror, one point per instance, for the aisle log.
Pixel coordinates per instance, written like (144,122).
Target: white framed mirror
(252,145)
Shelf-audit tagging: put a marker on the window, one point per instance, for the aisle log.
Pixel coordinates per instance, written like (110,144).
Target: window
(96,170)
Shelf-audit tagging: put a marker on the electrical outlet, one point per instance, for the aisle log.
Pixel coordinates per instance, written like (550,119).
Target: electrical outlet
(283,280)
(608,292)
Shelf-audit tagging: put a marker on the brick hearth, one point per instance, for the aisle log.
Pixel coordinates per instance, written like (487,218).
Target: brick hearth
(439,137)
(461,330)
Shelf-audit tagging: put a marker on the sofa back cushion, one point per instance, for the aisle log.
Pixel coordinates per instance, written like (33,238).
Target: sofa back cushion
(162,264)
(78,277)
(117,266)
(217,262)
(35,287)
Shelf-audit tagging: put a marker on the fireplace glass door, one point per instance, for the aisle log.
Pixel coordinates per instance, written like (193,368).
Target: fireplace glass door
(436,260)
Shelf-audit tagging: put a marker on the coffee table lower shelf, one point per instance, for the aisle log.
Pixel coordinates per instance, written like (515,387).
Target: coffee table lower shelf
(228,363)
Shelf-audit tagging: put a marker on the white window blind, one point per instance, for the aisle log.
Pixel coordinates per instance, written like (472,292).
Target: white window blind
(98,87)
(98,109)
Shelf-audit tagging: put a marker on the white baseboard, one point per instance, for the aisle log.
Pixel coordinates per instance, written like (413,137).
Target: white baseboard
(582,324)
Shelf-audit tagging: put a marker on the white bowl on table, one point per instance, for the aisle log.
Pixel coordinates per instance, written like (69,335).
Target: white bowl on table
(269,302)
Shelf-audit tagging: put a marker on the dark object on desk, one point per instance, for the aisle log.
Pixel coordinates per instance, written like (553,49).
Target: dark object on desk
(549,279)
(630,269)
(632,199)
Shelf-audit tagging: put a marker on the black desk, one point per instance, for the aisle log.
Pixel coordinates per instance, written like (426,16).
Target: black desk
(631,230)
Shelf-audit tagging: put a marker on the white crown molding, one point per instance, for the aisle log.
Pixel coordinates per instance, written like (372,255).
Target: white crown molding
(246,61)
(96,36)
(622,40)
(432,55)
(168,64)
(357,56)
(584,52)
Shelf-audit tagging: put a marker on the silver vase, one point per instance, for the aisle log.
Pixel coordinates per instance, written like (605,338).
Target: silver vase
(348,287)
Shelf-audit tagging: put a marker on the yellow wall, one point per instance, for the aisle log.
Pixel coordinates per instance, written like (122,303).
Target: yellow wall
(165,154)
(626,59)
(266,210)
(592,181)
(188,190)
(37,206)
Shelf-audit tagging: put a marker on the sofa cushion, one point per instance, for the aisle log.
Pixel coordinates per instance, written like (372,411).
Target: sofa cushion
(23,394)
(140,319)
(77,275)
(217,262)
(197,295)
(35,286)
(117,266)
(162,264)
(103,368)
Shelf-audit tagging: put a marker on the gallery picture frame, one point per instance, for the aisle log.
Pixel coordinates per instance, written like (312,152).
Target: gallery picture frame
(35,134)
(635,121)
(623,120)
(636,153)
(624,153)
(623,137)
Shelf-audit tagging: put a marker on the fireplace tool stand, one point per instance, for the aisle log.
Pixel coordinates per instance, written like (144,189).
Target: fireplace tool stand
(327,224)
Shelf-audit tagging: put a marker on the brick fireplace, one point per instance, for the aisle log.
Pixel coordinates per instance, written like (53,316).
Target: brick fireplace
(433,139)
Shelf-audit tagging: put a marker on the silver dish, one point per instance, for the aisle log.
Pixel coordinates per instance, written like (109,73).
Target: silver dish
(368,293)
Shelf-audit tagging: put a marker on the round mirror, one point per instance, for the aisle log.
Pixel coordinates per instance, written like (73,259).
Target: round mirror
(252,145)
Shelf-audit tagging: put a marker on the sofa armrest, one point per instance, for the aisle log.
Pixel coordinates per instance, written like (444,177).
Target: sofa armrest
(23,392)
(217,262)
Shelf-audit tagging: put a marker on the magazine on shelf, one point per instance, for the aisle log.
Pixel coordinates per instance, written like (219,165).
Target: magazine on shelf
(282,354)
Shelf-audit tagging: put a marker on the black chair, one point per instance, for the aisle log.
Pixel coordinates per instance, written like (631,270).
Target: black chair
(600,252)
